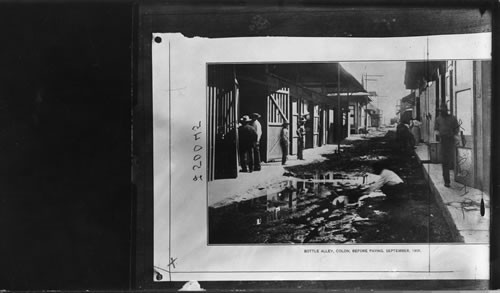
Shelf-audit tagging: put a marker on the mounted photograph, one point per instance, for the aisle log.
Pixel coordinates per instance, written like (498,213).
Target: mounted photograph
(349,152)
(290,158)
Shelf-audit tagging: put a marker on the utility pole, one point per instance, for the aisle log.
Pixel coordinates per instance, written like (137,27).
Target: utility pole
(364,82)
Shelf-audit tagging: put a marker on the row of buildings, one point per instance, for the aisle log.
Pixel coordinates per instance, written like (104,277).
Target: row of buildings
(334,103)
(464,86)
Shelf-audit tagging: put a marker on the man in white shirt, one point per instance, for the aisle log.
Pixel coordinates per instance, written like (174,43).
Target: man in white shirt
(284,142)
(256,124)
(389,183)
(301,134)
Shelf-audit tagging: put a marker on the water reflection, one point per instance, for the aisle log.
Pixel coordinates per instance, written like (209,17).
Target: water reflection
(281,204)
(298,210)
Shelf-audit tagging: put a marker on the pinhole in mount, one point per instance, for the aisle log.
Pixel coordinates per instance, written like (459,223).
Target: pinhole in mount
(158,276)
(158,40)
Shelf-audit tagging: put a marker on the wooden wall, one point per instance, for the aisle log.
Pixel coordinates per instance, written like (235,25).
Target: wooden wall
(222,109)
(482,98)
(428,109)
(278,111)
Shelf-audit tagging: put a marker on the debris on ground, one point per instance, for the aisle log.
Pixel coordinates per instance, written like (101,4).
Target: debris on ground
(326,202)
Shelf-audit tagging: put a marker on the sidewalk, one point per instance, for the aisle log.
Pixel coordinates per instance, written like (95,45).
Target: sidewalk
(225,191)
(460,205)
(270,179)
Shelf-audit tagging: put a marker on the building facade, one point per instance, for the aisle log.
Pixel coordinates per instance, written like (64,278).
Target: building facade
(320,93)
(464,87)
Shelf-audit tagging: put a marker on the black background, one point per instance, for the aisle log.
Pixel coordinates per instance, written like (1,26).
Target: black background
(68,202)
(65,210)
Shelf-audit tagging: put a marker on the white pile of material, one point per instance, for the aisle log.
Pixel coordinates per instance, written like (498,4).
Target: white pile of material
(372,194)
(342,199)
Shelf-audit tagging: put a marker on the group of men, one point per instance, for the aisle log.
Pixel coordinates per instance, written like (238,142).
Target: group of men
(405,134)
(250,133)
(284,140)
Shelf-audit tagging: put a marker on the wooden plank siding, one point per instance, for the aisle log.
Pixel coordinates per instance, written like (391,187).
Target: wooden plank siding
(484,161)
(276,99)
(482,127)
(465,87)
(464,106)
(294,125)
(222,122)
(278,105)
(315,125)
(429,112)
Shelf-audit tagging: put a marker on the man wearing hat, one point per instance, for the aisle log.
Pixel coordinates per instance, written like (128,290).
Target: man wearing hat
(258,128)
(284,142)
(247,137)
(447,127)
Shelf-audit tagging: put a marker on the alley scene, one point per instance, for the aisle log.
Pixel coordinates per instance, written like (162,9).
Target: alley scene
(349,152)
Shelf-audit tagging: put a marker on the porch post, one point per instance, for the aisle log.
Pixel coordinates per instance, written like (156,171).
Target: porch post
(339,111)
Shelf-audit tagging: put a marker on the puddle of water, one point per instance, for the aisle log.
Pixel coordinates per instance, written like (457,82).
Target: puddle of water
(299,210)
(369,158)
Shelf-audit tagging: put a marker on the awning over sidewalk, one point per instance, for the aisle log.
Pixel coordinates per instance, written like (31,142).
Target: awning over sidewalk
(372,109)
(323,78)
(418,73)
(409,99)
(330,80)
(360,97)
(317,82)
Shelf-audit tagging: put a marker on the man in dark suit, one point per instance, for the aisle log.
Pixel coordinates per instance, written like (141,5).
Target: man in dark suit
(247,140)
(447,129)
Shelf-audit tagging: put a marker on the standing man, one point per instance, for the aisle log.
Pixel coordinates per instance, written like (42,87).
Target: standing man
(284,142)
(301,133)
(447,128)
(247,138)
(258,128)
(415,130)
(404,136)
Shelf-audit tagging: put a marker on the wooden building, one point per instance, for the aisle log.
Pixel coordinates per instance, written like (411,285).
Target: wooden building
(407,108)
(358,114)
(374,115)
(279,93)
(464,86)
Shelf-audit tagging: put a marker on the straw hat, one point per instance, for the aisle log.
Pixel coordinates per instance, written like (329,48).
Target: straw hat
(245,119)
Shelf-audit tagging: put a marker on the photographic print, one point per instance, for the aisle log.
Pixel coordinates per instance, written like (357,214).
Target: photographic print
(288,158)
(339,152)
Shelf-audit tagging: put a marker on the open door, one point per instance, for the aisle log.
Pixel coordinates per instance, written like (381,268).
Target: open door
(278,104)
(294,125)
